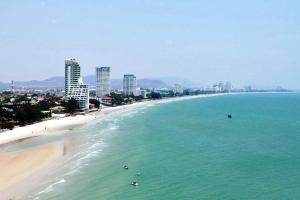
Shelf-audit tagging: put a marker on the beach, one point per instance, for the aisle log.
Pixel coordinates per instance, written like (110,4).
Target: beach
(59,124)
(16,166)
(162,142)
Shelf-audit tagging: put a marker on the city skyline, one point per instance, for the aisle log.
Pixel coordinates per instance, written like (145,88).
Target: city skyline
(149,99)
(254,43)
(168,81)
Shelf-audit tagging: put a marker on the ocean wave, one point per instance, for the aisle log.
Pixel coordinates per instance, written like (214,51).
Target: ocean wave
(71,172)
(50,188)
(89,155)
(150,105)
(93,144)
(113,126)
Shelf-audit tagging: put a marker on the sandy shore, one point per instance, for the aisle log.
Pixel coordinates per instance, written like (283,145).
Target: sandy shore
(54,125)
(15,166)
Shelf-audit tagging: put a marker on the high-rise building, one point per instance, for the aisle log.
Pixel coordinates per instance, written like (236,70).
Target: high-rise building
(102,81)
(72,74)
(178,89)
(12,87)
(74,86)
(228,87)
(221,87)
(129,85)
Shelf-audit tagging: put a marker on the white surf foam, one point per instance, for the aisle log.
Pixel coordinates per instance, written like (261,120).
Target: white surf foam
(51,187)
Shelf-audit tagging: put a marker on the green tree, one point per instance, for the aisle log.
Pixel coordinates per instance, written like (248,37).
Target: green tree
(116,99)
(138,98)
(22,98)
(95,102)
(5,114)
(154,95)
(186,92)
(45,105)
(28,114)
(71,105)
(6,125)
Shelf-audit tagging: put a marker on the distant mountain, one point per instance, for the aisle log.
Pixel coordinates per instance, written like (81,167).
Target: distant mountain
(58,82)
(54,82)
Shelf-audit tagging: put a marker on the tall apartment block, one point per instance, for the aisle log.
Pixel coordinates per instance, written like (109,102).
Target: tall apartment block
(178,89)
(102,81)
(129,85)
(74,86)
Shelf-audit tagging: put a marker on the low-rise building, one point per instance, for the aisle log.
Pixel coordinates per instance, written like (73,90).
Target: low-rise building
(106,100)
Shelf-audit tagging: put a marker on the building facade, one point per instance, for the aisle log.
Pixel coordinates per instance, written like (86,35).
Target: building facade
(221,87)
(228,87)
(178,89)
(74,86)
(102,81)
(129,85)
(72,74)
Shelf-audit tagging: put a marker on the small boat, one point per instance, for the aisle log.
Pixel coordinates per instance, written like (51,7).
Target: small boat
(125,167)
(134,183)
(229,116)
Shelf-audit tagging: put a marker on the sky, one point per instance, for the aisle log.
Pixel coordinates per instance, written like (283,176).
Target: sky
(253,42)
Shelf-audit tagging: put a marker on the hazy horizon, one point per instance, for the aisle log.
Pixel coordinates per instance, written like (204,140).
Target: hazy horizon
(256,43)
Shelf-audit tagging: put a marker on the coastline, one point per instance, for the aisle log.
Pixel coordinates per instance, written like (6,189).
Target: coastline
(60,124)
(51,126)
(39,157)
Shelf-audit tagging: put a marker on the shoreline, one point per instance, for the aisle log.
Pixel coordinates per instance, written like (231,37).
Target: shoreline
(60,124)
(39,157)
(16,166)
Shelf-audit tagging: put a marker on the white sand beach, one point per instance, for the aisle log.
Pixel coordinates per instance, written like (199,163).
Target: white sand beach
(53,125)
(16,166)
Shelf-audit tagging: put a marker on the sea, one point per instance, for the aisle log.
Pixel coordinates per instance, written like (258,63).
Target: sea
(186,149)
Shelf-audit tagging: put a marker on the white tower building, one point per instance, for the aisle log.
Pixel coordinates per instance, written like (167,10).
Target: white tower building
(178,89)
(102,81)
(72,74)
(228,87)
(74,86)
(129,85)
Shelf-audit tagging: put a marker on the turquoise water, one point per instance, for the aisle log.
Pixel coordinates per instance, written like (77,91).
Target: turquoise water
(187,150)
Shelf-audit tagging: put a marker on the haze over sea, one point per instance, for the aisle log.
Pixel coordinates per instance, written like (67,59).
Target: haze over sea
(186,150)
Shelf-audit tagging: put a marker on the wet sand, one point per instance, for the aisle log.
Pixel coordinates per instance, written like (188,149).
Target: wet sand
(17,165)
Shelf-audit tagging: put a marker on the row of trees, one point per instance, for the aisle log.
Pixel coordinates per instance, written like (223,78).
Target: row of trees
(154,95)
(20,115)
(23,114)
(119,99)
(116,99)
